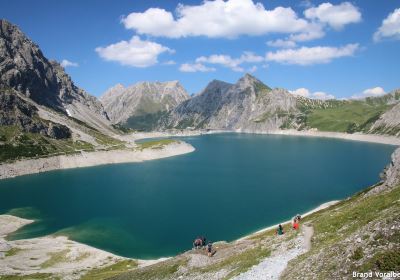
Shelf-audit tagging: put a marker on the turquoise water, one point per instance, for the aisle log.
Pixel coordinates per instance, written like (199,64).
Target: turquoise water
(233,184)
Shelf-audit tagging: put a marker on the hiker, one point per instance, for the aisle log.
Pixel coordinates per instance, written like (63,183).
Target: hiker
(197,243)
(298,217)
(209,249)
(203,241)
(295,224)
(280,231)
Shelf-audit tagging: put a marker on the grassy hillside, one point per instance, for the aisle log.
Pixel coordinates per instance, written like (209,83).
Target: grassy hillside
(359,234)
(348,116)
(16,144)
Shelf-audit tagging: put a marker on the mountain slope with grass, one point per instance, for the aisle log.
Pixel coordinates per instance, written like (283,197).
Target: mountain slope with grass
(250,105)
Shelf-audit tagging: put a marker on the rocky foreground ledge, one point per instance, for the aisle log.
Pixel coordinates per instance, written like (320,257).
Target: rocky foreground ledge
(87,159)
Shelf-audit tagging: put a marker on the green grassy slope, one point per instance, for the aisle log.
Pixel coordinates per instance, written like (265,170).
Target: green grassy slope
(349,116)
(16,144)
(359,234)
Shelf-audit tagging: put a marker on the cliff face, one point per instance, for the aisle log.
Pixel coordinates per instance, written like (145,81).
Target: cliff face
(128,106)
(389,121)
(23,67)
(14,111)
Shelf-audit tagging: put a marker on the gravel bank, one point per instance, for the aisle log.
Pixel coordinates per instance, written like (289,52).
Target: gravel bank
(86,159)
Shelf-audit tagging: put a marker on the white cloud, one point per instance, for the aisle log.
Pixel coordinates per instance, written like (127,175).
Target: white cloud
(390,27)
(322,95)
(311,55)
(301,92)
(376,91)
(195,67)
(217,18)
(314,31)
(282,43)
(228,61)
(136,52)
(66,63)
(320,17)
(315,95)
(252,69)
(370,92)
(169,62)
(336,16)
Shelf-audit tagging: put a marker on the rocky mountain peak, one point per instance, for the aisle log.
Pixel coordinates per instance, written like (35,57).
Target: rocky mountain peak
(24,68)
(112,92)
(142,100)
(248,79)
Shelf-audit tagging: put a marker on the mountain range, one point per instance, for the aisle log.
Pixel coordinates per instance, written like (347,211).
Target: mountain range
(43,112)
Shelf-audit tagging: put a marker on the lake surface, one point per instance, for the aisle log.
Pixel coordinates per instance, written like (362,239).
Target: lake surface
(232,185)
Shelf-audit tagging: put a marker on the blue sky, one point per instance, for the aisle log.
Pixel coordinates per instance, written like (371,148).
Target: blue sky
(314,48)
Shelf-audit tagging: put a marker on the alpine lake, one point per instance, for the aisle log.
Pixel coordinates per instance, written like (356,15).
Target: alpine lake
(230,186)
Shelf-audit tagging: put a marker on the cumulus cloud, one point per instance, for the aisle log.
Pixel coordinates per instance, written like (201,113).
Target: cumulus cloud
(315,95)
(376,91)
(314,31)
(218,18)
(169,62)
(370,92)
(311,55)
(195,67)
(301,92)
(322,95)
(336,16)
(228,61)
(136,52)
(390,27)
(326,14)
(282,43)
(252,69)
(66,63)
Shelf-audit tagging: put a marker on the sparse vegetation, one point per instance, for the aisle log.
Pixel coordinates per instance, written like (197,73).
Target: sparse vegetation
(18,145)
(111,270)
(55,258)
(240,262)
(343,221)
(35,276)
(162,270)
(12,252)
(156,144)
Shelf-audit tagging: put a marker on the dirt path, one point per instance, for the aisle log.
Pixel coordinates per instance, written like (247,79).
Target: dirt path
(308,232)
(273,266)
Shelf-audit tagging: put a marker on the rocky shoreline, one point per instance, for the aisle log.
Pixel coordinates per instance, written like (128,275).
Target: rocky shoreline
(55,255)
(372,138)
(87,159)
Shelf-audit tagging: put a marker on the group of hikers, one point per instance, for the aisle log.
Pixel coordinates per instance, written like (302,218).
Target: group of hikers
(200,242)
(295,225)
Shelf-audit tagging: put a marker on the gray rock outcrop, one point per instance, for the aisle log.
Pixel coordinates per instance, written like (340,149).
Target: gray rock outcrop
(125,105)
(14,111)
(24,68)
